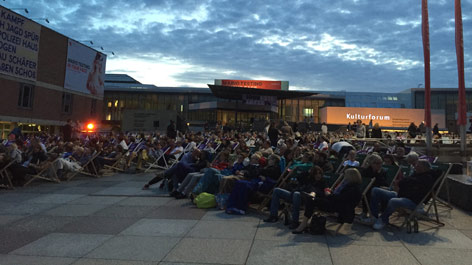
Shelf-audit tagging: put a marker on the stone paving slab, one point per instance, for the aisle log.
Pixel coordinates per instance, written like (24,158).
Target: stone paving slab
(135,248)
(160,227)
(276,252)
(55,198)
(75,210)
(98,200)
(224,230)
(40,224)
(131,191)
(190,263)
(98,225)
(145,201)
(7,219)
(121,211)
(80,190)
(16,197)
(362,255)
(36,260)
(99,183)
(441,256)
(363,235)
(63,245)
(11,240)
(86,261)
(441,238)
(24,208)
(201,250)
(217,215)
(279,232)
(172,212)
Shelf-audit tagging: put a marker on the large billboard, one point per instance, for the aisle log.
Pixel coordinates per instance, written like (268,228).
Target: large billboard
(385,117)
(85,69)
(19,45)
(258,84)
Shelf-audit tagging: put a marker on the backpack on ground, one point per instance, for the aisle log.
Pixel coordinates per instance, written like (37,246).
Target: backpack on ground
(205,200)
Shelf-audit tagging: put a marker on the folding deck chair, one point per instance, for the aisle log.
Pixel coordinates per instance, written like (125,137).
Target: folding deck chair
(430,199)
(392,174)
(6,175)
(88,168)
(155,164)
(281,181)
(48,172)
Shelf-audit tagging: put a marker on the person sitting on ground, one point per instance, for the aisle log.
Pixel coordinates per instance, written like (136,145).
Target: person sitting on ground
(268,176)
(343,200)
(305,184)
(184,166)
(192,178)
(411,190)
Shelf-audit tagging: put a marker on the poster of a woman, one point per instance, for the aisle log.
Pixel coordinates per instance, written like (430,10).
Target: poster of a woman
(94,80)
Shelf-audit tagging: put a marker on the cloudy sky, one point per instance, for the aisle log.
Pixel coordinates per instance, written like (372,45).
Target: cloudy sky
(353,45)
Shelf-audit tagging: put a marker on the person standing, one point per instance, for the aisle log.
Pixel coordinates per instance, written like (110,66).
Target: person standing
(16,131)
(436,129)
(376,131)
(360,129)
(273,134)
(324,129)
(67,131)
(171,132)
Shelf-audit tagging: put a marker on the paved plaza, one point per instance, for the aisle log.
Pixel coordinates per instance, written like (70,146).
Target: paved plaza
(112,221)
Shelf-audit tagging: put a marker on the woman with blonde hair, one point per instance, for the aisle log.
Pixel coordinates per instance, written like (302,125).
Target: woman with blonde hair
(376,131)
(343,200)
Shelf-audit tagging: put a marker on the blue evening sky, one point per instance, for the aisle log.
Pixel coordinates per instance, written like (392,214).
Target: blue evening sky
(353,45)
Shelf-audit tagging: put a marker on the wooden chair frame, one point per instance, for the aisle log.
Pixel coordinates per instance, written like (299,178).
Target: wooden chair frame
(5,174)
(46,167)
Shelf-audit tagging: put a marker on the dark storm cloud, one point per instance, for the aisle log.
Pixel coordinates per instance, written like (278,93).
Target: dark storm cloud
(364,45)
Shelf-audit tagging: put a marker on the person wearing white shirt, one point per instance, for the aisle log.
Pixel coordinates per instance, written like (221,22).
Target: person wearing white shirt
(351,159)
(324,128)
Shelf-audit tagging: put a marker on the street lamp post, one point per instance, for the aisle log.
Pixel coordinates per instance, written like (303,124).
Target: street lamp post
(20,8)
(41,18)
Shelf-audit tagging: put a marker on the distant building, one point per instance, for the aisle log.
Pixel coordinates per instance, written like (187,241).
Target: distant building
(44,78)
(221,102)
(443,99)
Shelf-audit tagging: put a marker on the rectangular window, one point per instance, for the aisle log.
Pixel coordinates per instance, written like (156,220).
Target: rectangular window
(67,102)
(307,112)
(25,98)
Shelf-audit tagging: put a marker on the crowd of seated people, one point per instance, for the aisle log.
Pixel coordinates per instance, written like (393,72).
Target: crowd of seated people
(240,168)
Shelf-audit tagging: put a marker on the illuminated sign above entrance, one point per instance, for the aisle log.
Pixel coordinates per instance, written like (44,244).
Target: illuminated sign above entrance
(385,117)
(258,84)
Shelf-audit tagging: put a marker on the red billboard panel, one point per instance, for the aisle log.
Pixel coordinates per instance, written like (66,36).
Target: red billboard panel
(259,84)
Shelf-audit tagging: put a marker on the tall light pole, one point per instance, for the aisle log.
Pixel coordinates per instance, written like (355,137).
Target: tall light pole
(20,8)
(41,18)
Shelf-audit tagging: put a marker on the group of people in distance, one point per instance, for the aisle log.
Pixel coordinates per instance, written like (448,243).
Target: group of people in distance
(243,168)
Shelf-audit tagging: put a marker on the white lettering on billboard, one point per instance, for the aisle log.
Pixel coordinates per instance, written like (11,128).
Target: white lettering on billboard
(370,116)
(85,69)
(19,45)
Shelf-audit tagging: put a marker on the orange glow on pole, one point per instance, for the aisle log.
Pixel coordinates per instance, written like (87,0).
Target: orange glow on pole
(90,126)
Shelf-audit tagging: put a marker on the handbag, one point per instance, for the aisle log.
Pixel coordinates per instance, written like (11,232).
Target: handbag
(317,225)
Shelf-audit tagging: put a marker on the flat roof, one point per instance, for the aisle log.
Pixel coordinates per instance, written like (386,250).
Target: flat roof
(130,87)
(230,92)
